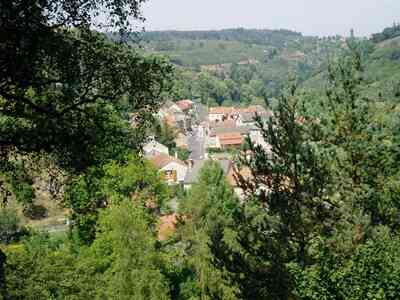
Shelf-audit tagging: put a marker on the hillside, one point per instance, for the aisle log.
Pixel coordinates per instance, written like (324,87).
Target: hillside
(240,65)
(382,70)
(248,66)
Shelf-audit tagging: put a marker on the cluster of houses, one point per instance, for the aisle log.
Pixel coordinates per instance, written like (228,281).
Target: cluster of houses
(175,171)
(222,128)
(227,127)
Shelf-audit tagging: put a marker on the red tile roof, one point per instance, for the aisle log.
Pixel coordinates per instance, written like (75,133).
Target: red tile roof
(221,110)
(185,104)
(161,160)
(170,120)
(232,138)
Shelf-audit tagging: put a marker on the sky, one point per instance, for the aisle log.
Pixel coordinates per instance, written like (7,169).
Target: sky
(310,17)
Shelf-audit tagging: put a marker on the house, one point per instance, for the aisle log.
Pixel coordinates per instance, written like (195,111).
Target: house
(195,167)
(183,121)
(171,107)
(222,128)
(231,140)
(168,108)
(226,123)
(181,141)
(172,169)
(243,130)
(185,105)
(246,116)
(155,147)
(170,120)
(221,113)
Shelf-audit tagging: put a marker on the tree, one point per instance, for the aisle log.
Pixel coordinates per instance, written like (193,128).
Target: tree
(11,229)
(364,145)
(126,246)
(287,206)
(3,290)
(132,180)
(66,90)
(165,134)
(208,209)
(44,268)
(370,273)
(122,263)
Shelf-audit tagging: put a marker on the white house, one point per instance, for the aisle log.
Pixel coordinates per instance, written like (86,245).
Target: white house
(155,147)
(257,138)
(219,114)
(172,169)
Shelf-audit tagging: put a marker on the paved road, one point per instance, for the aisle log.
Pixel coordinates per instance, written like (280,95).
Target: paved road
(201,112)
(196,145)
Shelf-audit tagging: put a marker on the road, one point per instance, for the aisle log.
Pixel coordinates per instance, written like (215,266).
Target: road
(196,145)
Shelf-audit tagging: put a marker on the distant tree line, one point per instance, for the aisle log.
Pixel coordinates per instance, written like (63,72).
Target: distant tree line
(251,36)
(387,34)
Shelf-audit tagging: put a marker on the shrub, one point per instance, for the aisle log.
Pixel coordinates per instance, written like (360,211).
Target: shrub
(10,226)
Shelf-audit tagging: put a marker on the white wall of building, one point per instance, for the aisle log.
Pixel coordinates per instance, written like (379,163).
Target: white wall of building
(180,169)
(215,117)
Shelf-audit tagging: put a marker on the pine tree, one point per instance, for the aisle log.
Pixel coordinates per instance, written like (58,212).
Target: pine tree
(287,207)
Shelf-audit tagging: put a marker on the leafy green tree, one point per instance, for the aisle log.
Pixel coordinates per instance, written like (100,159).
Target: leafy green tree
(207,210)
(370,273)
(165,134)
(183,154)
(41,268)
(132,180)
(11,229)
(126,246)
(122,263)
(66,90)
(211,89)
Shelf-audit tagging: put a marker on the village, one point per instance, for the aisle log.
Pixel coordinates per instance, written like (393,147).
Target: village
(215,133)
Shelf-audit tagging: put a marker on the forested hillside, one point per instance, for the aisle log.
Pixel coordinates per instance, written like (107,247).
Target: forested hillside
(240,66)
(381,66)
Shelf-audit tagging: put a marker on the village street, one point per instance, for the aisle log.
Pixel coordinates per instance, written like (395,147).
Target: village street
(196,144)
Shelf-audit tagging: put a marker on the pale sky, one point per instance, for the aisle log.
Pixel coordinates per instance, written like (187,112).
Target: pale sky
(311,17)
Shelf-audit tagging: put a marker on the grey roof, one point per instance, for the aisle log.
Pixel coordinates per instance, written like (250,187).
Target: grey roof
(241,129)
(225,165)
(192,176)
(248,117)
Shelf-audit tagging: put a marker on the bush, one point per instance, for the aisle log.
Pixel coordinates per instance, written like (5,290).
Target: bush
(35,212)
(10,226)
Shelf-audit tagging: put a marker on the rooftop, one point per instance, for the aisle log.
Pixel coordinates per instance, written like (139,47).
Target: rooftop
(242,130)
(184,104)
(226,123)
(221,110)
(161,160)
(193,174)
(233,138)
